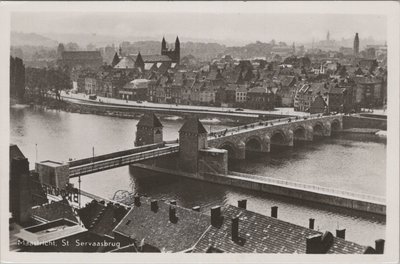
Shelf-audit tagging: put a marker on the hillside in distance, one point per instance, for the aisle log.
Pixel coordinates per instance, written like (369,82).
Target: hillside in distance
(203,51)
(31,39)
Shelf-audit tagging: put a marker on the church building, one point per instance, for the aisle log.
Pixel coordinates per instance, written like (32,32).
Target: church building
(169,58)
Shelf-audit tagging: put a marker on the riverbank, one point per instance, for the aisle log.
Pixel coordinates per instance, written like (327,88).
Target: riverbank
(135,112)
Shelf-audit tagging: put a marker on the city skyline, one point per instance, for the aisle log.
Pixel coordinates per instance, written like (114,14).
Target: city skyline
(299,28)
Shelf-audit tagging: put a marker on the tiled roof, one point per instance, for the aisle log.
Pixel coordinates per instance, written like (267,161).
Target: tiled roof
(193,125)
(101,219)
(155,228)
(263,234)
(149,120)
(54,211)
(155,58)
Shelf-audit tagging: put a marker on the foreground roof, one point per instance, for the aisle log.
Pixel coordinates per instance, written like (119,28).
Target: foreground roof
(154,227)
(263,234)
(54,211)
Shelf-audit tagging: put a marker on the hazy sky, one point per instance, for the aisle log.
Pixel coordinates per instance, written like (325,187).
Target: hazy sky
(234,28)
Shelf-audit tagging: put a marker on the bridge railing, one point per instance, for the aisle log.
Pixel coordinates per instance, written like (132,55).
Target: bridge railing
(311,187)
(227,131)
(83,161)
(120,161)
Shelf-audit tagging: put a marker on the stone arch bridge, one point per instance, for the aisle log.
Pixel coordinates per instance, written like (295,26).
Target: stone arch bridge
(260,136)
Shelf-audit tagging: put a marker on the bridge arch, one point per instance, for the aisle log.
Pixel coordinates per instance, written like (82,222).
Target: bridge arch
(278,137)
(300,133)
(254,143)
(230,147)
(318,129)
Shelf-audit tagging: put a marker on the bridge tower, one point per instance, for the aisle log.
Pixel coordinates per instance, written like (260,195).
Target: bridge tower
(192,138)
(149,130)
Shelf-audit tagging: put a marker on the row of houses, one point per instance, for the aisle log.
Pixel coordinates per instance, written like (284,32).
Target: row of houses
(255,84)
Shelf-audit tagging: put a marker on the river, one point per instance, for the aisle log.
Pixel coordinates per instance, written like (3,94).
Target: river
(351,163)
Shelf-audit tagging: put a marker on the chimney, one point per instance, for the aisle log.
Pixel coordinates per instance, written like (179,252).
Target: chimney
(341,233)
(313,244)
(379,246)
(172,214)
(196,208)
(327,241)
(242,203)
(215,216)
(235,228)
(136,200)
(311,223)
(319,244)
(154,205)
(173,202)
(274,211)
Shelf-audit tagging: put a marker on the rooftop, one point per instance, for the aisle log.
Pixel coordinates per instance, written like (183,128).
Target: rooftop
(149,120)
(54,211)
(263,234)
(50,231)
(156,228)
(193,125)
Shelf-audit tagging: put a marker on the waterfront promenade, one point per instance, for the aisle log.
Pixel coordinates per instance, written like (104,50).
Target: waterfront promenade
(229,111)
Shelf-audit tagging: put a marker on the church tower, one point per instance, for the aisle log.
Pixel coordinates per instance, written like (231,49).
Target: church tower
(356,45)
(163,46)
(173,54)
(327,37)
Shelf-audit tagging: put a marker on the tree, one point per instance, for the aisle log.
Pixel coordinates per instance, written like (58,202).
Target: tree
(17,78)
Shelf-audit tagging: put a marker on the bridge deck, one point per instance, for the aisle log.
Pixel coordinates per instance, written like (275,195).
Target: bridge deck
(121,161)
(262,124)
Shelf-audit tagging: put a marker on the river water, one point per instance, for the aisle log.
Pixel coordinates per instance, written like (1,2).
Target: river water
(350,163)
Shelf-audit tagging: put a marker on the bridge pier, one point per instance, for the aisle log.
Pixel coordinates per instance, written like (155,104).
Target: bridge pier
(240,153)
(327,129)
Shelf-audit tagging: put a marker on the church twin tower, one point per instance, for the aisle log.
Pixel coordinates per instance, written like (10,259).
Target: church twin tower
(173,54)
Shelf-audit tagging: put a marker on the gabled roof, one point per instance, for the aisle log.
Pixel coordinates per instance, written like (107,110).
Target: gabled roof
(149,120)
(154,227)
(263,234)
(193,125)
(101,219)
(125,63)
(15,152)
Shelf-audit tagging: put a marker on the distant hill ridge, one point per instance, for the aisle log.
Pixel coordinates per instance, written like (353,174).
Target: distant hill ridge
(31,39)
